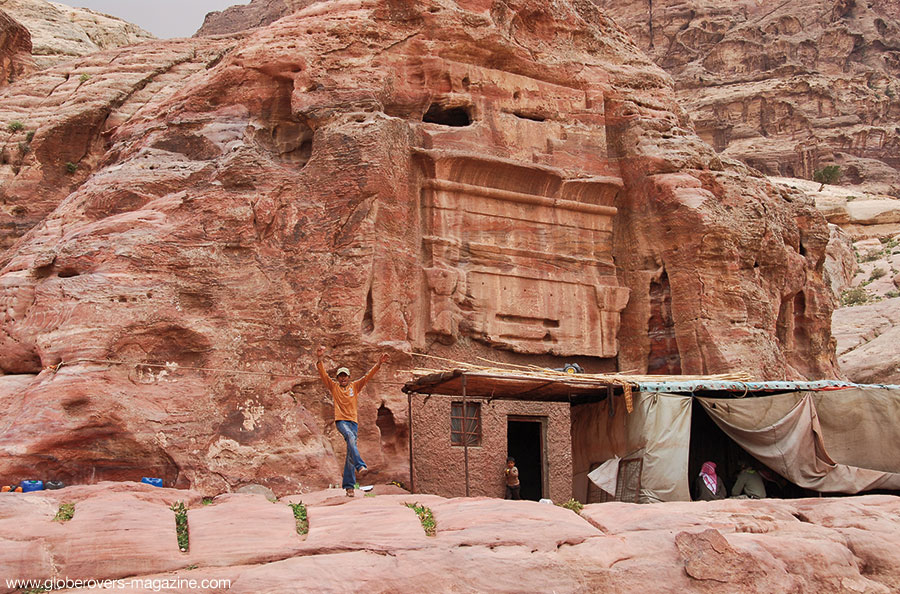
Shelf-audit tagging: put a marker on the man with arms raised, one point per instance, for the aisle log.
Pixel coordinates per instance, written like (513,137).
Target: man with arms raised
(345,395)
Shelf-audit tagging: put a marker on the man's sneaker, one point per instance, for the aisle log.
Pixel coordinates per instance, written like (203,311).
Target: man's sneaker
(362,472)
(350,493)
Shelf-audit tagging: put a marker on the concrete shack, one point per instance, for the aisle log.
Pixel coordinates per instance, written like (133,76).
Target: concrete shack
(651,437)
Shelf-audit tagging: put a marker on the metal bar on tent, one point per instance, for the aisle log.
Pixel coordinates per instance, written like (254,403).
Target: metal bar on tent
(464,430)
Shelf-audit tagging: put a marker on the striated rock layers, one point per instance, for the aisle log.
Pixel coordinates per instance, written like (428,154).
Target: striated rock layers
(15,50)
(463,178)
(786,87)
(60,33)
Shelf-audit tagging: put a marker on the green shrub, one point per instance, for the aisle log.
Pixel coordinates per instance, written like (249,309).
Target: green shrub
(66,512)
(181,525)
(830,174)
(425,516)
(300,517)
(574,505)
(84,77)
(871,256)
(30,136)
(854,296)
(24,148)
(15,126)
(71,167)
(877,273)
(892,294)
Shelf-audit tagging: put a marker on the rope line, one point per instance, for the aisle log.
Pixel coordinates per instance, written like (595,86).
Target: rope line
(177,367)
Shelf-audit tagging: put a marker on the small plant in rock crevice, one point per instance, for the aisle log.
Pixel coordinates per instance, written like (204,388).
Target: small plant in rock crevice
(15,126)
(574,505)
(181,525)
(66,512)
(71,167)
(877,273)
(425,517)
(300,517)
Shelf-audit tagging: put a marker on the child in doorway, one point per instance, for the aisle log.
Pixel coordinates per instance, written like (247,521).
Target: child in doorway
(512,479)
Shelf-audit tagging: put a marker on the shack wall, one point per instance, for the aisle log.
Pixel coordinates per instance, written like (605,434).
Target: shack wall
(439,467)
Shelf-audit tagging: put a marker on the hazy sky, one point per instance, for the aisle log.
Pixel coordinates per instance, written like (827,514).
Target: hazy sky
(163,18)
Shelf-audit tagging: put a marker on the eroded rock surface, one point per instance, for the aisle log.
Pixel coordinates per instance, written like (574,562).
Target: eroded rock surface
(251,15)
(516,183)
(378,544)
(60,32)
(867,338)
(786,87)
(863,266)
(15,50)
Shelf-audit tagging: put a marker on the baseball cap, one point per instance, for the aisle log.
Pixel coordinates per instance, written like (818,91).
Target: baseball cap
(343,370)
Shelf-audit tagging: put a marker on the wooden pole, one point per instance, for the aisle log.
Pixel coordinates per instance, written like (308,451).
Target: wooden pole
(409,415)
(465,431)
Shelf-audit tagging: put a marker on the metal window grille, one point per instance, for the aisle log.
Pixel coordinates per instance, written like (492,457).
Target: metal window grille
(465,426)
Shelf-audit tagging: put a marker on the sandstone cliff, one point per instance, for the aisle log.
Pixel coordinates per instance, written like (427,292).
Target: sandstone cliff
(15,50)
(192,218)
(786,87)
(60,32)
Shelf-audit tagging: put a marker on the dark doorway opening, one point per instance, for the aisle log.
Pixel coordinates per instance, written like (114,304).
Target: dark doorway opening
(708,442)
(525,443)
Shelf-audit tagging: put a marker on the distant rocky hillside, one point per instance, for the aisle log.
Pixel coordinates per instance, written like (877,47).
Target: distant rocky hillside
(787,86)
(242,17)
(60,32)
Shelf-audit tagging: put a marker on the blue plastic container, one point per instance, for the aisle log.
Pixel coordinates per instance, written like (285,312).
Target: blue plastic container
(28,486)
(156,482)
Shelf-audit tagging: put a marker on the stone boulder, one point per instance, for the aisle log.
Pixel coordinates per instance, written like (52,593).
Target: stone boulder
(867,338)
(435,188)
(60,33)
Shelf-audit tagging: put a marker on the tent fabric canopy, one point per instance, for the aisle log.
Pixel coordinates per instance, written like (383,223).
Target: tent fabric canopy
(832,442)
(840,441)
(659,431)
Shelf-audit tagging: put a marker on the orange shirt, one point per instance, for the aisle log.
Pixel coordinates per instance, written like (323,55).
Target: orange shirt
(345,399)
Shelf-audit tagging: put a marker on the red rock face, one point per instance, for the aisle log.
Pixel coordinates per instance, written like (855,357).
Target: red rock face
(786,88)
(242,17)
(15,50)
(407,176)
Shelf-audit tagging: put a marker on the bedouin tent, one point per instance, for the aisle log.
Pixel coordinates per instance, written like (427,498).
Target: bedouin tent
(831,441)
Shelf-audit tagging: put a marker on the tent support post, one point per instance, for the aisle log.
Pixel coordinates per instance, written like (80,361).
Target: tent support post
(464,428)
(409,416)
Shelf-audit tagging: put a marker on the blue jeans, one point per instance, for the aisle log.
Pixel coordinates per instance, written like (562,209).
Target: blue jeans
(354,461)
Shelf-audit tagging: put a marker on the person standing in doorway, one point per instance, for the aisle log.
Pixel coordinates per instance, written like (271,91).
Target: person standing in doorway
(345,395)
(512,479)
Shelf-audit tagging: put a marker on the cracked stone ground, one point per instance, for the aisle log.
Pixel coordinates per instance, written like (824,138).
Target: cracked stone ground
(377,543)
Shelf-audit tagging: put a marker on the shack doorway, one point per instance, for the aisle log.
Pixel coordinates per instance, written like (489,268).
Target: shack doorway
(525,441)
